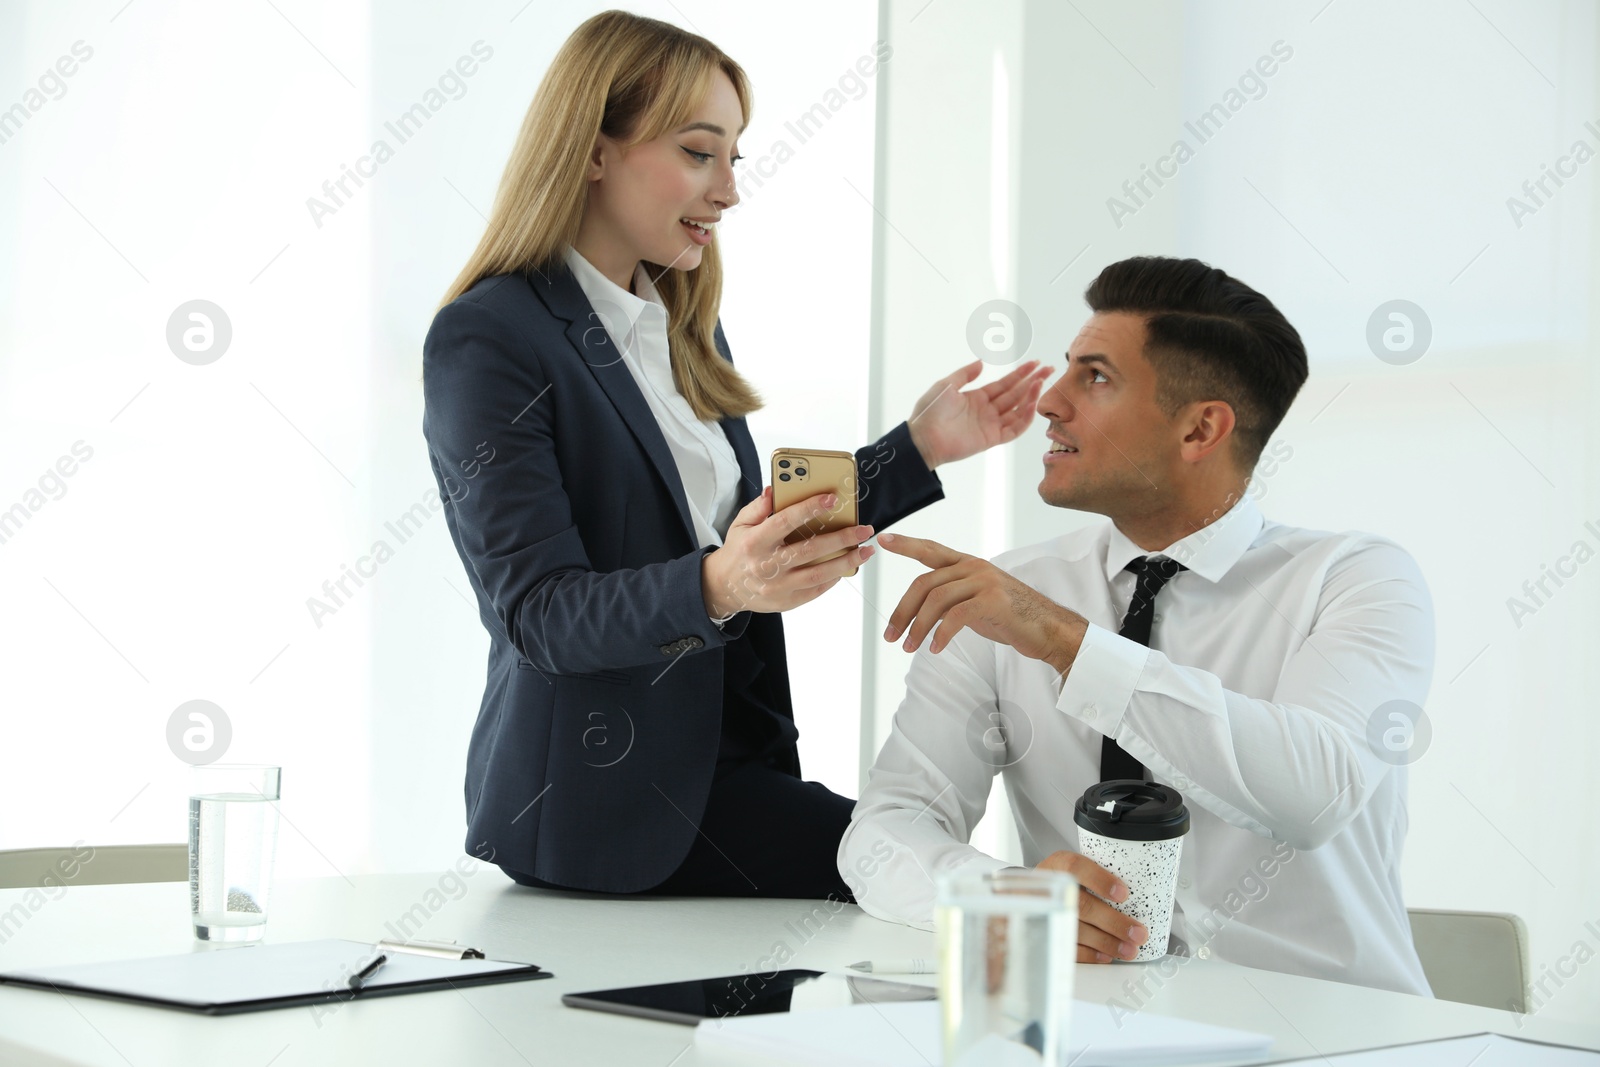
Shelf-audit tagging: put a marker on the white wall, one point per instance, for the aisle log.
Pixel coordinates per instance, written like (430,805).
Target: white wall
(174,563)
(1376,165)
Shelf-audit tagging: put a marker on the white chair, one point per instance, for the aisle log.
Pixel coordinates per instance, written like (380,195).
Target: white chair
(25,868)
(1473,957)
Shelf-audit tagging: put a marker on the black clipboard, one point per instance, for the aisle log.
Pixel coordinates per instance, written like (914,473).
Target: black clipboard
(229,981)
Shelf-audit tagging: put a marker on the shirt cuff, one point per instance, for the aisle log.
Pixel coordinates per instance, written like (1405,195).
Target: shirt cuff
(1103,677)
(724,632)
(734,628)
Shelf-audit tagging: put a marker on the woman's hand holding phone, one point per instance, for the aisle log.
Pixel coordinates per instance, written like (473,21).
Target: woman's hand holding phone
(755,570)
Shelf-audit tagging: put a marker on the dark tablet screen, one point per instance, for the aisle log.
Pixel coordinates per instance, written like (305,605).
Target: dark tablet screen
(746,994)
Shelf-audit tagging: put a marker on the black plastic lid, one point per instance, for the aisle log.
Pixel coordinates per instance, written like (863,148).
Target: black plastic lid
(1131,810)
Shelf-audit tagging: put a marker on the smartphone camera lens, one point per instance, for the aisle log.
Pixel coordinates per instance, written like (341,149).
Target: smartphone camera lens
(801,471)
(783,477)
(783,463)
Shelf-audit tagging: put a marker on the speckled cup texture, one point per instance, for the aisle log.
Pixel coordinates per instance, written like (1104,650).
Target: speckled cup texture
(1150,871)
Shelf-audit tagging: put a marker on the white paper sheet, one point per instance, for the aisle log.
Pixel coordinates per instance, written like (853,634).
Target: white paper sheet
(1478,1050)
(907,1035)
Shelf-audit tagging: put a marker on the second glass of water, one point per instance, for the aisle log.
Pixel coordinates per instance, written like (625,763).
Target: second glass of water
(233,834)
(1006,953)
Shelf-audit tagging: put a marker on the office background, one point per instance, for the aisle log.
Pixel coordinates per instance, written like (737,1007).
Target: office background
(186,517)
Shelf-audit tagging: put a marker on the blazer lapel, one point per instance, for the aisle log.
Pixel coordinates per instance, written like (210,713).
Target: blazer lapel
(565,298)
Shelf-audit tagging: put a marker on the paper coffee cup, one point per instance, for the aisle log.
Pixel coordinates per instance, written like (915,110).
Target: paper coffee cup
(1135,830)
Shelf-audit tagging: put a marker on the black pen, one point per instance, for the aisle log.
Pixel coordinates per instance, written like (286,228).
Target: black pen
(368,971)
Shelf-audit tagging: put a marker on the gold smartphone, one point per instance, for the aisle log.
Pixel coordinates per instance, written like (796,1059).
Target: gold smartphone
(798,474)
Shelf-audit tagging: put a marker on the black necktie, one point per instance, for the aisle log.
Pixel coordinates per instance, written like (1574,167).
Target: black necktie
(1152,573)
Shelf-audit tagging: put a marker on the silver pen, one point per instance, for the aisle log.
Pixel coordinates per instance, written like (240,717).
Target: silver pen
(911,966)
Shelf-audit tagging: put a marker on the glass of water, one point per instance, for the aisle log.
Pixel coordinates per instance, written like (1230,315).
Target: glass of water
(1006,952)
(233,833)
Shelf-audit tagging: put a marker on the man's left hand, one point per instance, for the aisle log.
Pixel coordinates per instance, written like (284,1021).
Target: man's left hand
(963,592)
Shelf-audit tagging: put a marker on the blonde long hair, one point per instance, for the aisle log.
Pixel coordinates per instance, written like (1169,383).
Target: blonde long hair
(633,79)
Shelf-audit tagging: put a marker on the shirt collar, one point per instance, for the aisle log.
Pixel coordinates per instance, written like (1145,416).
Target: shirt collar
(603,291)
(1210,551)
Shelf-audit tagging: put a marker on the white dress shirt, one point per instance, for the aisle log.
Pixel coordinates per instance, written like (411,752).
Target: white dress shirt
(637,325)
(1269,656)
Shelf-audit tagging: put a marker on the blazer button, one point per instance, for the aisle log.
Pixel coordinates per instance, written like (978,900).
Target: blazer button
(695,642)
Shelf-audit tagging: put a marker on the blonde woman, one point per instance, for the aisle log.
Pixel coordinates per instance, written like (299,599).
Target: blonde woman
(584,418)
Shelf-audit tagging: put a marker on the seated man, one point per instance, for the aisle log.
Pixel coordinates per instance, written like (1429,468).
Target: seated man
(1271,650)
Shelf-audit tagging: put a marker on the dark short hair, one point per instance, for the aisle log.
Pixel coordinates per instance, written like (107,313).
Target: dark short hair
(1209,336)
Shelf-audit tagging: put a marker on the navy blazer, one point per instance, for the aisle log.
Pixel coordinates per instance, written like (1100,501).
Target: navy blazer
(598,732)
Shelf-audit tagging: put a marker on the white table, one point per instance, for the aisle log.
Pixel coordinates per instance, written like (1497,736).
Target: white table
(590,942)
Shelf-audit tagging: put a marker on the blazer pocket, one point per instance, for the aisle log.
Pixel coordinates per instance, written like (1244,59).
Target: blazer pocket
(608,676)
